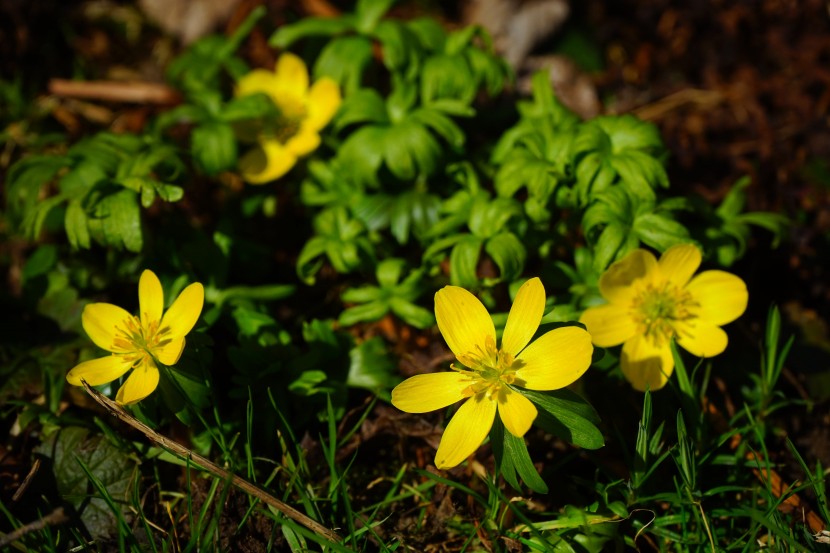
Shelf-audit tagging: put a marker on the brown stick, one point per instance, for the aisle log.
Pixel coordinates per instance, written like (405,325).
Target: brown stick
(176,448)
(116,91)
(55,518)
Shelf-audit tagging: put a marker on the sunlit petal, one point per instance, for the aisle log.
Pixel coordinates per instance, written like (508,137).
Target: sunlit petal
(701,339)
(427,392)
(304,142)
(101,322)
(266,162)
(99,371)
(679,263)
(555,359)
(141,383)
(185,311)
(463,320)
(466,431)
(516,411)
(524,317)
(722,297)
(292,74)
(615,284)
(256,81)
(645,364)
(609,324)
(323,102)
(169,353)
(150,298)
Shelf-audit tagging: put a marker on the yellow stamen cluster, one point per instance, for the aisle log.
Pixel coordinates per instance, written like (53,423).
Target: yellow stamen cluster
(139,341)
(657,309)
(490,369)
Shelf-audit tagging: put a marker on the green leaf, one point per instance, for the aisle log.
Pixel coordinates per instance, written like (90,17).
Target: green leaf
(75,223)
(565,414)
(659,231)
(371,367)
(25,178)
(361,154)
(402,50)
(464,261)
(309,383)
(369,12)
(509,254)
(442,125)
(410,150)
(34,219)
(213,146)
(363,106)
(344,59)
(512,458)
(113,468)
(412,314)
(185,386)
(287,35)
(40,261)
(116,220)
(242,108)
(446,76)
(366,312)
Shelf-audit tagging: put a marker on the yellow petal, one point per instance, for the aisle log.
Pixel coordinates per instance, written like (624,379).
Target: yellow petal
(292,75)
(703,340)
(101,321)
(524,317)
(141,383)
(467,429)
(615,284)
(304,142)
(99,371)
(269,161)
(609,324)
(679,263)
(463,320)
(169,353)
(427,392)
(646,365)
(516,411)
(722,296)
(185,311)
(258,81)
(555,359)
(323,102)
(150,298)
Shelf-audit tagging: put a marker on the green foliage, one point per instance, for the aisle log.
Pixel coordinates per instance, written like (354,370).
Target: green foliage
(429,174)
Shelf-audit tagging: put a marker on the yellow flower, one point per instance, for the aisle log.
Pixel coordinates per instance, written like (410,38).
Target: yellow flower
(138,343)
(488,375)
(303,112)
(651,301)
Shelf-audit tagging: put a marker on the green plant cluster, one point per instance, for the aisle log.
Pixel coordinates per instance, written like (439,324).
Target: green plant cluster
(432,172)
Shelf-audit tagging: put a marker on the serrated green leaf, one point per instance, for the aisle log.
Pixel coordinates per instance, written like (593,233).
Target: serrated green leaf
(410,150)
(116,220)
(447,76)
(609,244)
(442,125)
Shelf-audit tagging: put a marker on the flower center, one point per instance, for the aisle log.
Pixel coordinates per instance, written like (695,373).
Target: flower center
(140,342)
(658,308)
(490,369)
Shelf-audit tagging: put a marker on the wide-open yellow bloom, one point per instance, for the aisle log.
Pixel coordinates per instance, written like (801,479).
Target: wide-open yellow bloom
(138,343)
(651,301)
(303,112)
(489,374)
